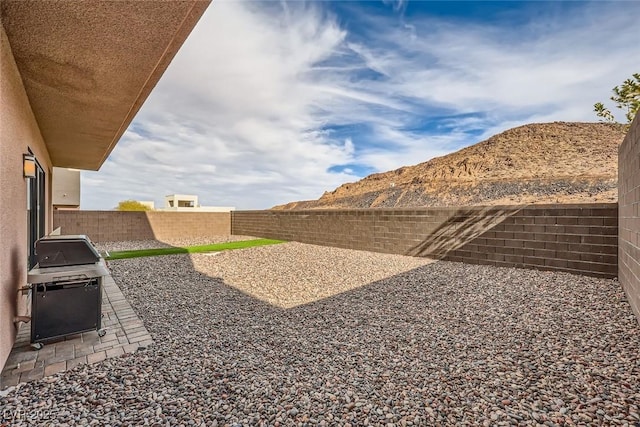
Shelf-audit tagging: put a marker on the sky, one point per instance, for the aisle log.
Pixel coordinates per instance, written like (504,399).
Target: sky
(272,102)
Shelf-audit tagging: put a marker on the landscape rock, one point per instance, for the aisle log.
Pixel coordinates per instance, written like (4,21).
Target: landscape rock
(435,344)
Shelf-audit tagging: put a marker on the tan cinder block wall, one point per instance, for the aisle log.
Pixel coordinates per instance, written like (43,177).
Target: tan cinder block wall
(579,238)
(18,132)
(629,220)
(109,226)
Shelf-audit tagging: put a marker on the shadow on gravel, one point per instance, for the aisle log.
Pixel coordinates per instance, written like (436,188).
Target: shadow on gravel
(446,343)
(443,344)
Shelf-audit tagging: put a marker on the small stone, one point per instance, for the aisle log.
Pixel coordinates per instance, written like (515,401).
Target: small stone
(304,334)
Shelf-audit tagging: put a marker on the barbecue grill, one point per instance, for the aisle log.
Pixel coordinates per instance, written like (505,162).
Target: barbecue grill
(66,287)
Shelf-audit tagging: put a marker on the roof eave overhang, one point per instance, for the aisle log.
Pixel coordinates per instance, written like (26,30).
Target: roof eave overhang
(88,67)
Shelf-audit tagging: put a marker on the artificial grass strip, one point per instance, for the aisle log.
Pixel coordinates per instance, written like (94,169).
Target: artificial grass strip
(215,247)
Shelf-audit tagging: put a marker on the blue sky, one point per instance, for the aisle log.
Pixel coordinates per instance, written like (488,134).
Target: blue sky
(271,102)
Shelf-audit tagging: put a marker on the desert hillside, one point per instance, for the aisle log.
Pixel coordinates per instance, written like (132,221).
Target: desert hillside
(536,163)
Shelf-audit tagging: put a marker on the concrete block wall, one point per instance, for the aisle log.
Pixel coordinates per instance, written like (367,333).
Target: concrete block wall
(629,211)
(578,238)
(107,226)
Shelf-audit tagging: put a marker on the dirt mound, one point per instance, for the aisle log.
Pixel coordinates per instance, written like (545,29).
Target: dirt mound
(538,163)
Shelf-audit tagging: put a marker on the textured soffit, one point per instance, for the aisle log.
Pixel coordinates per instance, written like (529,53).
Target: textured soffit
(87,66)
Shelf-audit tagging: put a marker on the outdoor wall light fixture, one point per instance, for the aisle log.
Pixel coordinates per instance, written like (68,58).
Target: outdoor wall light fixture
(29,165)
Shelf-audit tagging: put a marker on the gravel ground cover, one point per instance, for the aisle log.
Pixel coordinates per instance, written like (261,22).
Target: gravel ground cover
(440,344)
(293,274)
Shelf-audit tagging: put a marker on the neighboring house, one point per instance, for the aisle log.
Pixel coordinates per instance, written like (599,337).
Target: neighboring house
(65,188)
(189,203)
(73,76)
(174,201)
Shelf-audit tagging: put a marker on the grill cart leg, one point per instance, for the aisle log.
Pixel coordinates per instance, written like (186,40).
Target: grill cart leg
(102,332)
(27,319)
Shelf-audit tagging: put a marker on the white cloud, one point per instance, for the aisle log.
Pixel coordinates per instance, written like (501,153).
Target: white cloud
(244,114)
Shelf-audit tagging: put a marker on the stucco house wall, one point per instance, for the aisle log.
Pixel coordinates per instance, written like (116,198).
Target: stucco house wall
(19,132)
(70,85)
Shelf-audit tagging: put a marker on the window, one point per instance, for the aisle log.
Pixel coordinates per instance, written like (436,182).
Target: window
(36,211)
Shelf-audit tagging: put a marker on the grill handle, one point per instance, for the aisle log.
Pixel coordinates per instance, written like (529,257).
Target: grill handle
(68,284)
(66,279)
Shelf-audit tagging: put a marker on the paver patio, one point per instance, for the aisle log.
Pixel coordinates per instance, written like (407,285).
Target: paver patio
(125,333)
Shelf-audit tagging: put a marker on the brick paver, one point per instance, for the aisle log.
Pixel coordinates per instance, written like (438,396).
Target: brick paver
(96,357)
(125,333)
(55,368)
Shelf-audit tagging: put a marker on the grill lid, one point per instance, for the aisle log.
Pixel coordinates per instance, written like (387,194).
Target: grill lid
(59,251)
(74,272)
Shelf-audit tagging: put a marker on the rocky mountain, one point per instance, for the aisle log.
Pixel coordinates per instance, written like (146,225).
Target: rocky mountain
(538,163)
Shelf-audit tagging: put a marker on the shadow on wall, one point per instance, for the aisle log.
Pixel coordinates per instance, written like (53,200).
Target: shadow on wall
(460,229)
(114,226)
(16,280)
(10,300)
(577,238)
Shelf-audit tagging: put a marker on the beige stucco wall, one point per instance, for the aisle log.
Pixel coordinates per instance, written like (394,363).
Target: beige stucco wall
(18,132)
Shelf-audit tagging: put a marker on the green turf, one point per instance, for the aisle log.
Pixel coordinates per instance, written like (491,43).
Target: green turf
(215,247)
